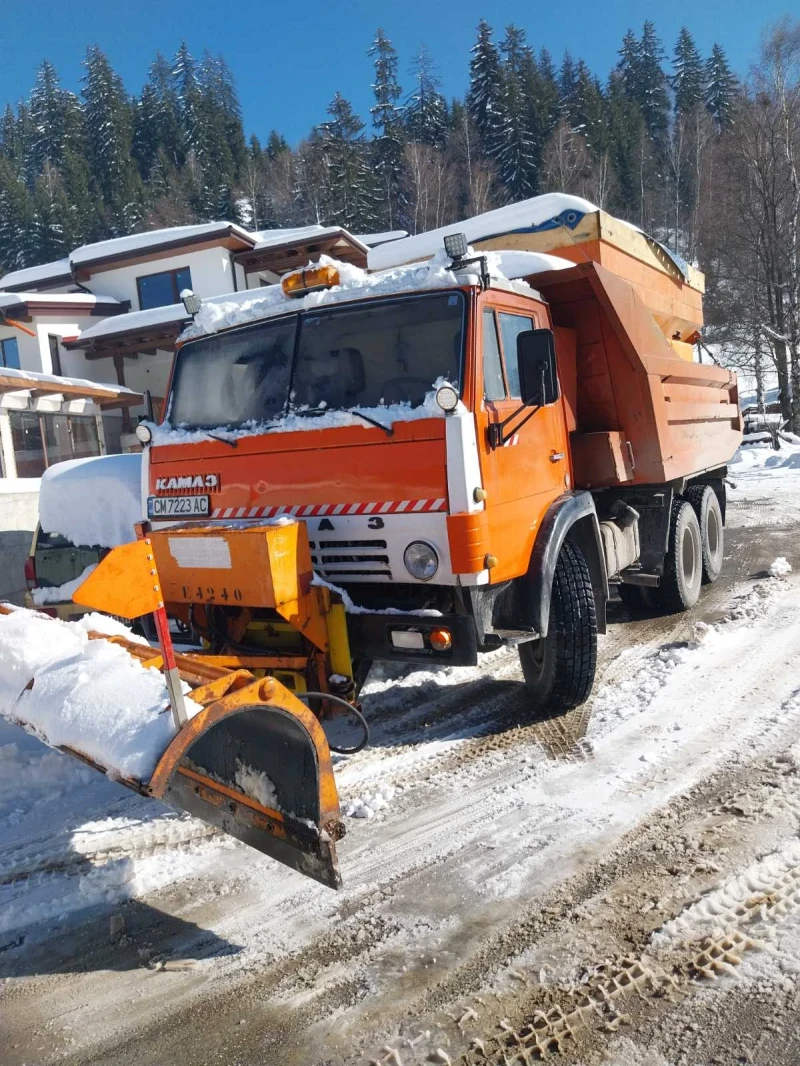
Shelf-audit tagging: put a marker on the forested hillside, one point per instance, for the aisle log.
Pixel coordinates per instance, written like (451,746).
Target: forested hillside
(671,142)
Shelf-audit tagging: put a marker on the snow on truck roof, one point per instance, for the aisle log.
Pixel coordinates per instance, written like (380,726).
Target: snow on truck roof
(236,309)
(250,305)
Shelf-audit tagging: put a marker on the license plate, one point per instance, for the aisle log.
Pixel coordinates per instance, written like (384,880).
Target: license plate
(177,506)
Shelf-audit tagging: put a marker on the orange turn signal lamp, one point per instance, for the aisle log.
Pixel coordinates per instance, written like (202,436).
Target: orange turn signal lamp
(441,639)
(309,279)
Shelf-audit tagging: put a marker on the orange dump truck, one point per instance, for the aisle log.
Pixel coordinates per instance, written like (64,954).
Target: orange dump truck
(568,444)
(417,465)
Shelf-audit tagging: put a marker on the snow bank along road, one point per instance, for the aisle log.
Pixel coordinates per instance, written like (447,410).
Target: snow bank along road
(514,888)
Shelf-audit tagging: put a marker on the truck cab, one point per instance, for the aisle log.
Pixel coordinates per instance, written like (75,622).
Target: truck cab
(425,426)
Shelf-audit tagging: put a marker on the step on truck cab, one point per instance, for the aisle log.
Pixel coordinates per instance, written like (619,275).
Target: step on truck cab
(475,458)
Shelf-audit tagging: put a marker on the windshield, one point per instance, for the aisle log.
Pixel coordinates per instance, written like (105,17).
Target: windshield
(356,356)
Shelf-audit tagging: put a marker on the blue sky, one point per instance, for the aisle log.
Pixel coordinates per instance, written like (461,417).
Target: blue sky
(290,57)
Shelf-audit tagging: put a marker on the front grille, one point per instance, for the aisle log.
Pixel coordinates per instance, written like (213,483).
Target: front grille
(351,558)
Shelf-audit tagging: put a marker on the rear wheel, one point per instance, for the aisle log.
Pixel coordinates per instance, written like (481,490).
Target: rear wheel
(683,567)
(709,514)
(559,668)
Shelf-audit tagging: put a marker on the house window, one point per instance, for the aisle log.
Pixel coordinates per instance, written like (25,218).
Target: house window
(160,290)
(40,440)
(9,353)
(55,355)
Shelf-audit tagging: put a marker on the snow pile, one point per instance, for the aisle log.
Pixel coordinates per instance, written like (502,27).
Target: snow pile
(60,593)
(255,784)
(514,218)
(368,806)
(93,501)
(781,567)
(86,694)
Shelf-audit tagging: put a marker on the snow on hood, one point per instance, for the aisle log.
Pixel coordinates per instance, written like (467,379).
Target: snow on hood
(93,501)
(296,422)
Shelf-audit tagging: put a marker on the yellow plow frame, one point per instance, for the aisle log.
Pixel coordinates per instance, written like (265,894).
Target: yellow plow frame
(254,760)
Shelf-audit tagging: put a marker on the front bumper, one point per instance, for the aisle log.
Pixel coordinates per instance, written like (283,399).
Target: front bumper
(370,638)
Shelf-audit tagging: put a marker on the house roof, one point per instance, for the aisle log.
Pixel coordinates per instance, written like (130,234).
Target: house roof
(277,251)
(43,276)
(143,246)
(70,388)
(372,240)
(131,334)
(24,305)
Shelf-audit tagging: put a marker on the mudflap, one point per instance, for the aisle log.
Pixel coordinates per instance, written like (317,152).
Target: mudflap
(262,773)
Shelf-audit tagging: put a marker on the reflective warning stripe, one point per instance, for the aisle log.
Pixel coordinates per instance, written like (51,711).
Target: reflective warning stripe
(347,510)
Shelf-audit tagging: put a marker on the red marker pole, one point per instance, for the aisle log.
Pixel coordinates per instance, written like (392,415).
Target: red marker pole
(171,675)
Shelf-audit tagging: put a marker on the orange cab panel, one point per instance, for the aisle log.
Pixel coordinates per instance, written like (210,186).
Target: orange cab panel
(347,467)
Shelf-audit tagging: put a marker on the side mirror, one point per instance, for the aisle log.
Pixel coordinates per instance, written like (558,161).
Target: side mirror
(536,359)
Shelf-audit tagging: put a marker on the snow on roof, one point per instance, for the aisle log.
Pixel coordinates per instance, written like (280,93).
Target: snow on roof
(93,501)
(76,299)
(136,320)
(136,242)
(236,309)
(373,239)
(60,268)
(28,379)
(275,238)
(510,219)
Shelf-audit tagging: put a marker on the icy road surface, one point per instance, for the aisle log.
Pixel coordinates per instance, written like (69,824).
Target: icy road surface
(513,887)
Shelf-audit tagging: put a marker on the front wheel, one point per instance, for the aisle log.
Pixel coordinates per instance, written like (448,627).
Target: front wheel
(559,669)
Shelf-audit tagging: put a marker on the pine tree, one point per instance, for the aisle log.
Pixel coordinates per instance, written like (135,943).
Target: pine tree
(17,245)
(387,145)
(348,196)
(109,122)
(567,83)
(425,114)
(53,118)
(651,83)
(49,216)
(688,80)
(720,88)
(187,93)
(516,152)
(483,97)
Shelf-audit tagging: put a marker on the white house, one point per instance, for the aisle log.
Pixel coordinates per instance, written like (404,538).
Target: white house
(111,311)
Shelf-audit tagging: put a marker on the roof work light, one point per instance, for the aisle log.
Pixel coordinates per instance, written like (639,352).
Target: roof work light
(455,244)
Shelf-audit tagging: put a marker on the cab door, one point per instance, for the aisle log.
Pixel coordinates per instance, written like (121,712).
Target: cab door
(532,467)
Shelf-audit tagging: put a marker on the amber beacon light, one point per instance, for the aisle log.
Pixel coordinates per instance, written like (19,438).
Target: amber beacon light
(310,279)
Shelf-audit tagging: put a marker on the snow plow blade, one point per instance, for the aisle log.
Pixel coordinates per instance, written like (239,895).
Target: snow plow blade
(245,761)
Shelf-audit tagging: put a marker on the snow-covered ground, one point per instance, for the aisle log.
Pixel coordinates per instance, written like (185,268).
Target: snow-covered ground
(471,826)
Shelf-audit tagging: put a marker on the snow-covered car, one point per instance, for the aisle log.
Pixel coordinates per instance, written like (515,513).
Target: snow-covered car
(53,570)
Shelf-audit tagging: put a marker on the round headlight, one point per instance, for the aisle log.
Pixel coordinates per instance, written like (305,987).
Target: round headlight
(421,560)
(144,433)
(447,398)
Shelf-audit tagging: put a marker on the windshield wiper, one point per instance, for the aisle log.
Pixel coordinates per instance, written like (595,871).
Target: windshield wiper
(388,430)
(224,440)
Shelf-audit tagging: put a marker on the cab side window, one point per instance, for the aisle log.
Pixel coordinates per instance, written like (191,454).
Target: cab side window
(494,387)
(510,327)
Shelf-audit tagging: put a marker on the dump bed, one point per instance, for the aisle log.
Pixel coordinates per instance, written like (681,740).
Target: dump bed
(638,413)
(670,288)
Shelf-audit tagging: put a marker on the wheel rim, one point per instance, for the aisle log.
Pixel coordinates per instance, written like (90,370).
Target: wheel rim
(689,557)
(712,532)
